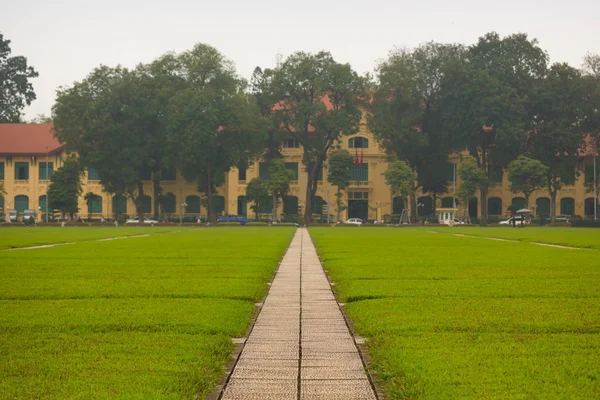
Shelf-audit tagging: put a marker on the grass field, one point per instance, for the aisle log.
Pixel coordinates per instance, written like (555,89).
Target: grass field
(143,318)
(576,237)
(12,237)
(451,317)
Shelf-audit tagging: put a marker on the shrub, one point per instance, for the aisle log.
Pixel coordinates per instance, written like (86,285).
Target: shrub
(585,223)
(121,219)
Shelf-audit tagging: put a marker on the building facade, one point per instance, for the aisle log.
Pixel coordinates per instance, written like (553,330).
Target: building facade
(29,154)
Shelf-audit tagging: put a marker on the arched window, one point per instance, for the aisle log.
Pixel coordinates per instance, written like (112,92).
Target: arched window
(119,204)
(168,203)
(21,203)
(266,205)
(567,206)
(242,205)
(589,207)
(398,205)
(317,205)
(95,204)
(218,204)
(42,203)
(518,203)
(495,206)
(193,204)
(473,206)
(290,205)
(542,206)
(425,206)
(145,204)
(358,143)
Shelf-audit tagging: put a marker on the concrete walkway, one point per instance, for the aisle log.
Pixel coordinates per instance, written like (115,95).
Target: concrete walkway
(300,346)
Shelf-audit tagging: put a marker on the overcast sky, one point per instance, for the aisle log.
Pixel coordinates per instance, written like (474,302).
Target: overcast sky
(64,40)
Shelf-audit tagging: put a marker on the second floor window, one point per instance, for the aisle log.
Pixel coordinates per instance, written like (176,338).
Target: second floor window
(360,172)
(242,174)
(46,170)
(358,143)
(21,171)
(291,143)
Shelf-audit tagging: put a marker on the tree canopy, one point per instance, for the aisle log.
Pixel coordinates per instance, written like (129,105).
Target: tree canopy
(16,89)
(65,187)
(316,100)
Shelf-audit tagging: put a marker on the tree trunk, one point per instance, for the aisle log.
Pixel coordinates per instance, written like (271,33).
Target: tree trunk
(483,191)
(209,205)
(274,212)
(552,192)
(138,202)
(434,203)
(156,189)
(413,208)
(308,205)
(338,204)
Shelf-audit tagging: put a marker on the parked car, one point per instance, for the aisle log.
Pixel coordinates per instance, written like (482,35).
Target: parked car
(355,221)
(28,216)
(135,220)
(234,218)
(455,221)
(13,216)
(518,221)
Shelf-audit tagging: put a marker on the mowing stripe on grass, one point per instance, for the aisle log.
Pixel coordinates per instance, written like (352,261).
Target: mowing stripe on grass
(558,246)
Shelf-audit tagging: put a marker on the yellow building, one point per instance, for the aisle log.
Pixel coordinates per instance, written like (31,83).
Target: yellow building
(29,154)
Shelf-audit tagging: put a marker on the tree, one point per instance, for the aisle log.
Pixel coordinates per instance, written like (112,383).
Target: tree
(16,90)
(488,102)
(557,135)
(278,184)
(88,197)
(526,175)
(406,113)
(257,193)
(212,125)
(317,102)
(339,174)
(472,176)
(65,187)
(265,100)
(401,178)
(2,192)
(106,119)
(41,119)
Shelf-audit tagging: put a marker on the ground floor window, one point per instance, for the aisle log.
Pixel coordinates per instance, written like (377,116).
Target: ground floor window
(495,206)
(21,203)
(193,204)
(542,206)
(567,206)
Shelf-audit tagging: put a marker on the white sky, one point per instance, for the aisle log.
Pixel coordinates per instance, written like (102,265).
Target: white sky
(66,40)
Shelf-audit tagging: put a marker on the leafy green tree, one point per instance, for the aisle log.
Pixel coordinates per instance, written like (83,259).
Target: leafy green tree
(257,193)
(16,90)
(400,177)
(65,187)
(472,176)
(488,101)
(339,174)
(41,119)
(88,197)
(265,100)
(406,113)
(2,194)
(557,135)
(212,125)
(317,102)
(106,119)
(526,175)
(278,184)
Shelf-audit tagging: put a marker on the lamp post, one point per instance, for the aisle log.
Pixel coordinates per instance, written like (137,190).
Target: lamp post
(327,183)
(595,192)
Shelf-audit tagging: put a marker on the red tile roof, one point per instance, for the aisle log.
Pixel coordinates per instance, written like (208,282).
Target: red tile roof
(30,139)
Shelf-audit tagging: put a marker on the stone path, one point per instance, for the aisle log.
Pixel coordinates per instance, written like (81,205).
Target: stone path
(300,346)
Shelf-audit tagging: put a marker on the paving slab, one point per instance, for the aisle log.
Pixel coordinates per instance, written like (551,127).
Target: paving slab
(300,339)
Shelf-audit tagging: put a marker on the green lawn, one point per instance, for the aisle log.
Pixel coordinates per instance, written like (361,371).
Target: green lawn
(11,237)
(143,318)
(451,317)
(577,237)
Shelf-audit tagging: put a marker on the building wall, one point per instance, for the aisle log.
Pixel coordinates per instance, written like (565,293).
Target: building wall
(380,200)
